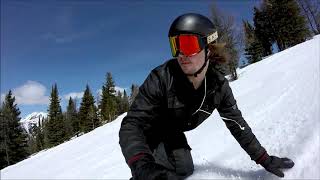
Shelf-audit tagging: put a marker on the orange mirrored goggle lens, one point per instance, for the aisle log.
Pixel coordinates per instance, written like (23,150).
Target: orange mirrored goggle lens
(185,44)
(189,44)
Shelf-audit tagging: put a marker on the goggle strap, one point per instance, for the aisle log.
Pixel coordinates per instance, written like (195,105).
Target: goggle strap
(173,44)
(212,37)
(204,64)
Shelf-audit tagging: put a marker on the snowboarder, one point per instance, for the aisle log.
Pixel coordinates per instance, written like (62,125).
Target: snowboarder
(176,97)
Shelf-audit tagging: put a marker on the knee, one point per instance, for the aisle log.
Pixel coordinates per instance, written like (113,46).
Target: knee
(185,170)
(183,162)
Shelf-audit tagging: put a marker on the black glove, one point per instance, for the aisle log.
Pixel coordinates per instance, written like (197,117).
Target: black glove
(146,169)
(273,164)
(154,171)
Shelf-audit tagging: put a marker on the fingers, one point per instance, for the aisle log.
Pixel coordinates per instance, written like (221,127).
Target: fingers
(279,163)
(286,163)
(277,172)
(172,176)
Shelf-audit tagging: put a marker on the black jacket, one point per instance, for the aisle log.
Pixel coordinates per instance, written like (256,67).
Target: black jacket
(167,104)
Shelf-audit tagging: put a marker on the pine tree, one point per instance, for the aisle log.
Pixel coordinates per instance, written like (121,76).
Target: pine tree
(311,11)
(44,129)
(32,140)
(253,46)
(125,101)
(122,101)
(55,129)
(36,137)
(3,125)
(280,21)
(291,26)
(14,145)
(134,93)
(39,136)
(108,104)
(264,31)
(88,112)
(72,121)
(119,102)
(31,143)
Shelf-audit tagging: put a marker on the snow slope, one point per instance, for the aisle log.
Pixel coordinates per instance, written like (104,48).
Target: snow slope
(279,98)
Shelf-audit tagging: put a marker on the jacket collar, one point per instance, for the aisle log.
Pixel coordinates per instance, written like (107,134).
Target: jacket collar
(214,79)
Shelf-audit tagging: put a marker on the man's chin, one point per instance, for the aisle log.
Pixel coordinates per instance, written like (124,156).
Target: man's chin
(188,73)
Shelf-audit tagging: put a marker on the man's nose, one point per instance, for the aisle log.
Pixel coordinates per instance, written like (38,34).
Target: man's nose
(183,58)
(183,55)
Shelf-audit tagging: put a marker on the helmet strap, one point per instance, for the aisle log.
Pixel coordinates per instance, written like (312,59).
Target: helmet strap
(204,64)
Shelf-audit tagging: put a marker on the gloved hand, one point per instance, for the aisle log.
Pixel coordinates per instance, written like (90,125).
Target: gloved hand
(146,169)
(273,164)
(154,171)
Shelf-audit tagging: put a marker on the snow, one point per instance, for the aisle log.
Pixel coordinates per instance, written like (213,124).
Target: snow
(278,97)
(32,119)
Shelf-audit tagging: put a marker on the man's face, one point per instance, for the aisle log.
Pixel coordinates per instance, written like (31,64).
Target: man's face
(191,64)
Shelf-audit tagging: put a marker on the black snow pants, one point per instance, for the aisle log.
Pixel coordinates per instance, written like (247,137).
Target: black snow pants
(175,155)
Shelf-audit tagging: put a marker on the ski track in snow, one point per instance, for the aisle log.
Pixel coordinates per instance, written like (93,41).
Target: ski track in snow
(279,98)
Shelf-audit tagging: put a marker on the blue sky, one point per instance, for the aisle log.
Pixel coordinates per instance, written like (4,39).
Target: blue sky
(74,43)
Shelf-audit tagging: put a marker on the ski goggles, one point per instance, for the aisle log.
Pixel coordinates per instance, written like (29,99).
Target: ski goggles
(189,44)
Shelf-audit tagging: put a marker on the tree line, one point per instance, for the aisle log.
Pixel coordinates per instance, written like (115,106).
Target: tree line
(281,24)
(59,126)
(278,24)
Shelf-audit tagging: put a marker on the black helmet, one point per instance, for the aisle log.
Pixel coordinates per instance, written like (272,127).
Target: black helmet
(200,27)
(192,23)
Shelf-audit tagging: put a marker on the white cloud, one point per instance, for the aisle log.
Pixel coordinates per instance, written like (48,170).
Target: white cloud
(74,95)
(30,93)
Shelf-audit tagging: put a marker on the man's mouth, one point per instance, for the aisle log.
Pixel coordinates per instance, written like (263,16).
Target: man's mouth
(185,62)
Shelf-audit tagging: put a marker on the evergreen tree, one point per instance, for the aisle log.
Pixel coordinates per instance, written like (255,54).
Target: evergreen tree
(291,25)
(311,11)
(39,136)
(253,47)
(14,145)
(44,130)
(3,125)
(36,138)
(31,143)
(108,104)
(88,112)
(280,21)
(264,30)
(125,101)
(119,102)
(55,127)
(134,93)
(72,121)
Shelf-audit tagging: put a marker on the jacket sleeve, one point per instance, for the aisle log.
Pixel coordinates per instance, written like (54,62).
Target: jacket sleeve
(238,127)
(142,114)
